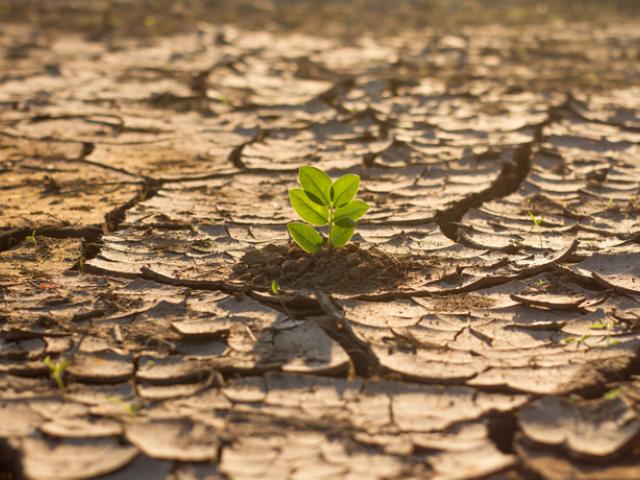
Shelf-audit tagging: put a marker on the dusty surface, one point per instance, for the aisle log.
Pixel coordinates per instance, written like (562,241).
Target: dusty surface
(145,157)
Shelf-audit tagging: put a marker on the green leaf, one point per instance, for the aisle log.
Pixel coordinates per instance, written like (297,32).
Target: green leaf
(344,189)
(612,394)
(305,236)
(316,182)
(309,211)
(345,222)
(536,220)
(275,288)
(314,199)
(353,210)
(340,236)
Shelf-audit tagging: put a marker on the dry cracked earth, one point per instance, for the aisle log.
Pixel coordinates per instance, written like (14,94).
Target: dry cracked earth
(143,215)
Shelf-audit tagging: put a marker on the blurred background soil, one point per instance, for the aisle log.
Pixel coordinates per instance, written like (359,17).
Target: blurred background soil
(332,18)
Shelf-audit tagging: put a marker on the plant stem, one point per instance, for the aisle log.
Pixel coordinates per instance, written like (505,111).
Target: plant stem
(330,228)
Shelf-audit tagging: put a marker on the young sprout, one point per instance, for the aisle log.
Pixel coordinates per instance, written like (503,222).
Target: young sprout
(131,408)
(322,202)
(537,221)
(275,289)
(612,394)
(32,238)
(577,340)
(610,203)
(56,370)
(541,283)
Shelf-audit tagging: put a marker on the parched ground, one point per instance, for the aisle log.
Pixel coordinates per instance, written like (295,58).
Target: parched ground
(145,154)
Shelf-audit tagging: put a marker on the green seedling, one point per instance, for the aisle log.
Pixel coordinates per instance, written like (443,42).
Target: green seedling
(131,408)
(599,326)
(32,238)
(275,289)
(541,283)
(609,325)
(577,340)
(56,370)
(537,222)
(612,394)
(150,21)
(322,202)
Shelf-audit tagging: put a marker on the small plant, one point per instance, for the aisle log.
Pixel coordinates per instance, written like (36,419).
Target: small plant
(612,394)
(56,370)
(537,222)
(576,340)
(275,290)
(322,202)
(32,238)
(130,408)
(609,325)
(541,283)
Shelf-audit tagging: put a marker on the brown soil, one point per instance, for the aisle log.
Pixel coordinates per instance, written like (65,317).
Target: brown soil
(353,268)
(150,145)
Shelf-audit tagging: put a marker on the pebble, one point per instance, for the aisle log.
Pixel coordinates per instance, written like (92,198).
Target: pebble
(353,259)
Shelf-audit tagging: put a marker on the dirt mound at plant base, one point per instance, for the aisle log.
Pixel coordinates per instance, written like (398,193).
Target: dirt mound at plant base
(350,268)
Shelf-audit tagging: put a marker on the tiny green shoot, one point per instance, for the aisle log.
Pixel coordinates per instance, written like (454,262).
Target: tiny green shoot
(56,370)
(598,326)
(609,325)
(537,222)
(32,238)
(541,283)
(131,408)
(322,202)
(577,340)
(150,21)
(275,290)
(612,394)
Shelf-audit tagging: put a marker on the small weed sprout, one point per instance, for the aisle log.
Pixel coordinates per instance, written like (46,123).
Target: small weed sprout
(131,408)
(32,238)
(612,394)
(56,370)
(275,290)
(537,222)
(576,340)
(541,283)
(609,325)
(322,202)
